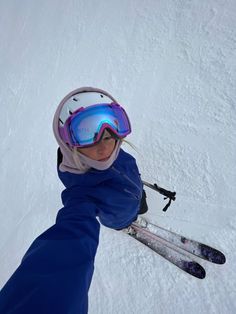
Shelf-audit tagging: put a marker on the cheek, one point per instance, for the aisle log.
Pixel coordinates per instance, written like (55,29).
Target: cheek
(112,146)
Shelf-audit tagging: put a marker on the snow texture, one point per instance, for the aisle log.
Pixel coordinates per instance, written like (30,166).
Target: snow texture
(171,64)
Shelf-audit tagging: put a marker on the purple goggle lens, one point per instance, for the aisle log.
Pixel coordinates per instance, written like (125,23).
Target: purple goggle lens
(86,125)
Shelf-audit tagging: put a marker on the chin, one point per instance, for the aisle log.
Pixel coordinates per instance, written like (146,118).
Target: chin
(104,159)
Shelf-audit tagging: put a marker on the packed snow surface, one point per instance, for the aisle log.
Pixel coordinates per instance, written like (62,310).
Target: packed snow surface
(171,64)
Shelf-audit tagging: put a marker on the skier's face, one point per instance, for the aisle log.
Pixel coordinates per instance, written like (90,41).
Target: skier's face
(102,150)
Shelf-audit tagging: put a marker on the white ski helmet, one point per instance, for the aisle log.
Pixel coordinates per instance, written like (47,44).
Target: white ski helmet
(82,97)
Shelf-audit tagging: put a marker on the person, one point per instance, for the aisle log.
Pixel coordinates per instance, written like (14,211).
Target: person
(102,186)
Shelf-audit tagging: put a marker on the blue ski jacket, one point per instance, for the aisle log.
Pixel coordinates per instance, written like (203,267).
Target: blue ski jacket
(56,271)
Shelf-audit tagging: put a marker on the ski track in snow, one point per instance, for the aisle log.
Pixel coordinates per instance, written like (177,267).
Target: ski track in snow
(172,65)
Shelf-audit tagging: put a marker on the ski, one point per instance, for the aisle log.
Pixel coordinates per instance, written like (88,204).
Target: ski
(191,246)
(171,254)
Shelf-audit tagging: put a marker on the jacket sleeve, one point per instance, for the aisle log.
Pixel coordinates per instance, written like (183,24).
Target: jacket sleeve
(55,273)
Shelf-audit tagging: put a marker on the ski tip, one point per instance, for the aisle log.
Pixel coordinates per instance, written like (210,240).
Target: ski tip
(194,269)
(221,259)
(212,255)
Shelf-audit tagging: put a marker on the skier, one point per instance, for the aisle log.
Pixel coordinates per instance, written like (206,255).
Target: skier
(101,181)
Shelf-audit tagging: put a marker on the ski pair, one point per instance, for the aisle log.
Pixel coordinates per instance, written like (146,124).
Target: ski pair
(174,247)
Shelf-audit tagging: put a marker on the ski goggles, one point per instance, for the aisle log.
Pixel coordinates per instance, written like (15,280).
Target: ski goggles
(86,125)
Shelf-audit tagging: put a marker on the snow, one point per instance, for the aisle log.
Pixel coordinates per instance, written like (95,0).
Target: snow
(171,64)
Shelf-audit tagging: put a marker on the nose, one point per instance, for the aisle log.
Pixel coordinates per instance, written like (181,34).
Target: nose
(101,148)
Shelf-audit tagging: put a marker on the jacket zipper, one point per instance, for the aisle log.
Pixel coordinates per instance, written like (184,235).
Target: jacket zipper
(127,178)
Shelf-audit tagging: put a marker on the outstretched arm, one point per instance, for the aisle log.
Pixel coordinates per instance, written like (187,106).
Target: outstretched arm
(55,273)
